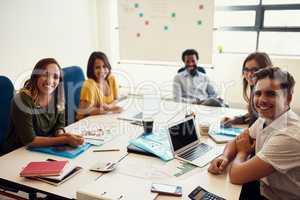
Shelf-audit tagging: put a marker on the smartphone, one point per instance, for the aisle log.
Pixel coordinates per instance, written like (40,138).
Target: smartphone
(173,190)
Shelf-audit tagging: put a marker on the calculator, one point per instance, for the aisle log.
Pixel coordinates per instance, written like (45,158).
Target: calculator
(201,194)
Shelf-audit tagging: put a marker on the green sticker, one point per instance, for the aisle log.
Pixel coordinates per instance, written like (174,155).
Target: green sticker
(141,14)
(199,22)
(136,5)
(166,28)
(173,15)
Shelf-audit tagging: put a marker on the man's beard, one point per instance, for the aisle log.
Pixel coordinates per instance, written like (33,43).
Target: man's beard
(193,71)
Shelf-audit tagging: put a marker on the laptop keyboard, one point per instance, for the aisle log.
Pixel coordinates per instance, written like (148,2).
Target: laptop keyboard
(196,152)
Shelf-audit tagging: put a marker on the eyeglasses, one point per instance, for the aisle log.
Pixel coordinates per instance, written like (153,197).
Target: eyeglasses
(252,69)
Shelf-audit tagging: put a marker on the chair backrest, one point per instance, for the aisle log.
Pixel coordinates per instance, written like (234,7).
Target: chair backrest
(200,69)
(73,80)
(7,93)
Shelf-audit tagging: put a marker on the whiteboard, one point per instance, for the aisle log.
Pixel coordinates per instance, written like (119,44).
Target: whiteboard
(160,30)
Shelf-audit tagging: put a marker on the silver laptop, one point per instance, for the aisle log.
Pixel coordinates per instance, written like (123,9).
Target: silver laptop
(186,145)
(150,108)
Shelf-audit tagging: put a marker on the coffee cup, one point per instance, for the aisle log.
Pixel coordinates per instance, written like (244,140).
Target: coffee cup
(148,125)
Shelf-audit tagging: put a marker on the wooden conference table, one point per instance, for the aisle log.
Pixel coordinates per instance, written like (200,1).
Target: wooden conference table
(142,168)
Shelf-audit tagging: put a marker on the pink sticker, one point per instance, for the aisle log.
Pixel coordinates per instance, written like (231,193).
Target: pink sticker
(146,22)
(138,35)
(201,7)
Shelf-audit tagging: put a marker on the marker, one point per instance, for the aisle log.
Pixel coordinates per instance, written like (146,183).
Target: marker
(104,150)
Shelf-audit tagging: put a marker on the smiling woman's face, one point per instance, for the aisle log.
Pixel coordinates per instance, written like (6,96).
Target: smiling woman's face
(250,68)
(100,69)
(48,80)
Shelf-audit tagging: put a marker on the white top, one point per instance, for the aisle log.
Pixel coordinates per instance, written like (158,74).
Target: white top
(187,88)
(279,145)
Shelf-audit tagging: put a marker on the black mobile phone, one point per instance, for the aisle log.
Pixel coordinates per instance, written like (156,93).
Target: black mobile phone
(201,194)
(173,190)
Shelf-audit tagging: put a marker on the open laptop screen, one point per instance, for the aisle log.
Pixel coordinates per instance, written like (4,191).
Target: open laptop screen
(183,134)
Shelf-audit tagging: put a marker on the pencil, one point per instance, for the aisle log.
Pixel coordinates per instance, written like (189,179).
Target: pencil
(104,150)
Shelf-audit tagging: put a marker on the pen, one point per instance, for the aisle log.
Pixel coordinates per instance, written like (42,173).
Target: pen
(104,150)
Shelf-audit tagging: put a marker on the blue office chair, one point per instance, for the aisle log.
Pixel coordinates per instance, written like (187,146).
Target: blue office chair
(73,80)
(7,93)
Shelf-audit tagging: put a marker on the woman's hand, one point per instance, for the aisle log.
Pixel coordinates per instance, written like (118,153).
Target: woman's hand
(227,121)
(73,140)
(117,109)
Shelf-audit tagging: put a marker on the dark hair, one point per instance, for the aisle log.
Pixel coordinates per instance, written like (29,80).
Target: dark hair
(263,60)
(90,67)
(30,86)
(189,52)
(287,81)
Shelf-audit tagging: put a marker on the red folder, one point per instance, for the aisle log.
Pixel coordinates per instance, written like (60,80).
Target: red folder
(44,168)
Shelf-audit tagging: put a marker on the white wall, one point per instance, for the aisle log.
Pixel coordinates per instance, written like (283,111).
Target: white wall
(35,29)
(69,30)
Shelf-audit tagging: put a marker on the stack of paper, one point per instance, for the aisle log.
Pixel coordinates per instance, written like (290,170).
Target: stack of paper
(155,143)
(52,172)
(116,186)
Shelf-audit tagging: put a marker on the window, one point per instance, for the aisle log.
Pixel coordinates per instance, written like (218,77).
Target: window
(265,25)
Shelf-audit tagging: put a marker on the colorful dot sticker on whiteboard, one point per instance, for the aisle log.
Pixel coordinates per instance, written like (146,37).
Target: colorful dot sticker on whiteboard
(138,35)
(166,28)
(146,22)
(201,7)
(173,15)
(199,22)
(141,14)
(136,5)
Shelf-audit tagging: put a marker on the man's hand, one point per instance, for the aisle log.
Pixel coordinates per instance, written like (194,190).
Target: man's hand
(218,165)
(244,144)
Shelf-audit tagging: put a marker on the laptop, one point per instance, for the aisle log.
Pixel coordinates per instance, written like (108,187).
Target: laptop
(186,145)
(150,107)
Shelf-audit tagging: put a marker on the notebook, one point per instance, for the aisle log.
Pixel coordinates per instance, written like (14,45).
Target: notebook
(186,144)
(62,150)
(156,143)
(68,173)
(134,149)
(43,168)
(223,135)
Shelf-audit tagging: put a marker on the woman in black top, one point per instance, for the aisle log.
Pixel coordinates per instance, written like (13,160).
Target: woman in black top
(254,62)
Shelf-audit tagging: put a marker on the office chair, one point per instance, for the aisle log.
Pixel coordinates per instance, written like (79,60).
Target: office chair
(73,80)
(7,93)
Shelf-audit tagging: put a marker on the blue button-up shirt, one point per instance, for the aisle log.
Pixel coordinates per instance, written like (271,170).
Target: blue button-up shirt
(191,89)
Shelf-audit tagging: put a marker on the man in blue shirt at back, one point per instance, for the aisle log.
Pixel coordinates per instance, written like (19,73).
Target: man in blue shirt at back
(192,85)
